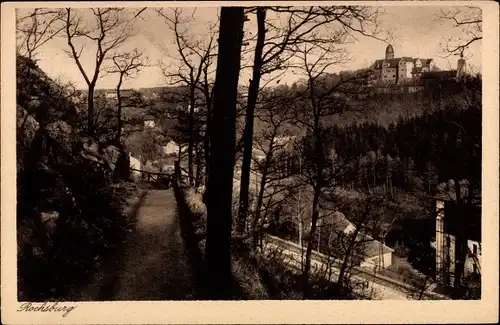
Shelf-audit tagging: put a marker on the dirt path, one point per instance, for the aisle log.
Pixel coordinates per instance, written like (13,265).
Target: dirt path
(152,265)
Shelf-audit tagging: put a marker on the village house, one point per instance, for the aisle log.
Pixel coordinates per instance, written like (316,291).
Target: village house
(135,165)
(373,253)
(170,147)
(111,95)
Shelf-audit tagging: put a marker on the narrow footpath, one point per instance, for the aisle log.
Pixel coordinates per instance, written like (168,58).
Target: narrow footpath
(152,264)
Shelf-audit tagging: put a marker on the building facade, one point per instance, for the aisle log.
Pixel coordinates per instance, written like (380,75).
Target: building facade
(446,243)
(399,71)
(135,165)
(170,148)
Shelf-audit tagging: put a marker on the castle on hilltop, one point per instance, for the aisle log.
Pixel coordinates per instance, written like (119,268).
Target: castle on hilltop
(401,70)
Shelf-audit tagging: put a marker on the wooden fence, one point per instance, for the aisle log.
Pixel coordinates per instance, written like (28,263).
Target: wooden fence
(154,177)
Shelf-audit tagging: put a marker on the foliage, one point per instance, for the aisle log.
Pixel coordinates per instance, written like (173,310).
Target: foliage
(69,209)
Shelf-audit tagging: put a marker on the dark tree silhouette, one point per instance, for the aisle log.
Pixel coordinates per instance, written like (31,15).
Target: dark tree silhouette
(220,179)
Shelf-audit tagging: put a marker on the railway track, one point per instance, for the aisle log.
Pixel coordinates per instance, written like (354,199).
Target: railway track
(393,288)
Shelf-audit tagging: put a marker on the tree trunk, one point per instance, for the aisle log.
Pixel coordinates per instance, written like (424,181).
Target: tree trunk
(345,261)
(119,113)
(90,111)
(255,229)
(221,165)
(310,239)
(248,131)
(191,137)
(199,171)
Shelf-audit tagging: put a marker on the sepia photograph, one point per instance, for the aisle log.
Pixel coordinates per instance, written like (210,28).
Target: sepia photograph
(249,152)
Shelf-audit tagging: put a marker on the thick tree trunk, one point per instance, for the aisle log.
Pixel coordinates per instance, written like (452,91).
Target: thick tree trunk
(248,131)
(222,140)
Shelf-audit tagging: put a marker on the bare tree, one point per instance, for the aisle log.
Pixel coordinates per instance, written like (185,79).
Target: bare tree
(277,42)
(37,28)
(191,67)
(109,31)
(276,113)
(470,20)
(326,95)
(126,65)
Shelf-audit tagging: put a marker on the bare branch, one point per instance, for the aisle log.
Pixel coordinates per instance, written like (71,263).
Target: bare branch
(37,28)
(469,20)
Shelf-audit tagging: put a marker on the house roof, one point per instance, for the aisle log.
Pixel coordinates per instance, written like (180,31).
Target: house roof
(393,62)
(338,221)
(378,64)
(167,141)
(374,248)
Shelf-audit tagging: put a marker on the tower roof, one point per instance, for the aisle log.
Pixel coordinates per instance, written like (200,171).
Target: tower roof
(389,49)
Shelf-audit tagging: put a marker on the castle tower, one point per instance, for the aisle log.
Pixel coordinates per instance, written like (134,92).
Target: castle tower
(461,66)
(389,52)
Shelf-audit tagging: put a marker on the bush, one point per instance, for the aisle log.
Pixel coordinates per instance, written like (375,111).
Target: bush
(195,203)
(248,279)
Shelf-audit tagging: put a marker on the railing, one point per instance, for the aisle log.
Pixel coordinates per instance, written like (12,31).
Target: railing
(178,173)
(154,177)
(361,272)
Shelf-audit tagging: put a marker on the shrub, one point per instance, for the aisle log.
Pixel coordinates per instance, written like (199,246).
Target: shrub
(248,279)
(195,203)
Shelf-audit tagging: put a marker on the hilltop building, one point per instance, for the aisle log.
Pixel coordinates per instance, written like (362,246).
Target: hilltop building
(391,70)
(461,67)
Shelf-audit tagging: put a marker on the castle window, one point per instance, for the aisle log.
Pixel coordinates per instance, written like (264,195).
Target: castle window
(448,242)
(474,249)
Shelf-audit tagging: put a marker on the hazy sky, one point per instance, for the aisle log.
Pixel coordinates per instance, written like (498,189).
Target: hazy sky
(417,32)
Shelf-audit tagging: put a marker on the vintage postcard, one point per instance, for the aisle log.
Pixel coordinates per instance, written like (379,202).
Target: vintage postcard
(273,162)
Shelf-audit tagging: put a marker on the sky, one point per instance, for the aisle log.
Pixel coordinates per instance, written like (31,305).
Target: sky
(417,33)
